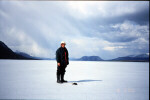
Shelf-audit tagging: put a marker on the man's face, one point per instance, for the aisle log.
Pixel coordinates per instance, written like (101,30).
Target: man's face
(62,45)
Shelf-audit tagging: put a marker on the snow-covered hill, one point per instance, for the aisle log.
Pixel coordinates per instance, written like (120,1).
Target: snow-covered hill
(140,57)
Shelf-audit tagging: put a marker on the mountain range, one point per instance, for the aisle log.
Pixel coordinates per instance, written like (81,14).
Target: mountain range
(7,53)
(140,57)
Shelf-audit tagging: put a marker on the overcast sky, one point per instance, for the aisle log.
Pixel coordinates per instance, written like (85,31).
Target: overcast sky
(107,29)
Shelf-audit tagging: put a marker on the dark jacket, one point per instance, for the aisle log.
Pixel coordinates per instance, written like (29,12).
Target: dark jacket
(60,56)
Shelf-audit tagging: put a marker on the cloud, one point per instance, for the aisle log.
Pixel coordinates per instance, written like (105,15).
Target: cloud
(113,48)
(107,29)
(127,31)
(105,10)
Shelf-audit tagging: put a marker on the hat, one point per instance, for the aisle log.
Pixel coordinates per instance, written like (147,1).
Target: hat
(62,42)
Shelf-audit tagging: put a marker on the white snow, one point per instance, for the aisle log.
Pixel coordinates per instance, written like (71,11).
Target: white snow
(36,79)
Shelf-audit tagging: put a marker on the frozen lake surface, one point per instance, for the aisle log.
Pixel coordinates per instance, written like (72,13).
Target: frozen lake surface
(36,79)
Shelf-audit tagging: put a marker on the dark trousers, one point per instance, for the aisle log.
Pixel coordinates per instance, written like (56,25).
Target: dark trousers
(61,72)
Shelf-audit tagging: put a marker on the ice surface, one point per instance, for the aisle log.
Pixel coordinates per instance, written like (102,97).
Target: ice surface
(36,79)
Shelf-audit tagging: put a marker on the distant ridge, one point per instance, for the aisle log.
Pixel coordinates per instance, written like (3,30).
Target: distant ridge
(132,58)
(90,58)
(140,57)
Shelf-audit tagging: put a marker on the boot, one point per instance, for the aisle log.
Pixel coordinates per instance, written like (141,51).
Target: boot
(62,78)
(58,78)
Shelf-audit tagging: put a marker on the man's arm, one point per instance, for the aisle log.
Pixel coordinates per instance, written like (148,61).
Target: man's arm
(67,57)
(58,57)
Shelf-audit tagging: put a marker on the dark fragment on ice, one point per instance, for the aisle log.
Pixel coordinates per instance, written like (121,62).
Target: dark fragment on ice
(74,84)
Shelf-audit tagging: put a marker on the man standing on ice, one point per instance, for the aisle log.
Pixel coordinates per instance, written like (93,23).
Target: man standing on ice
(62,62)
